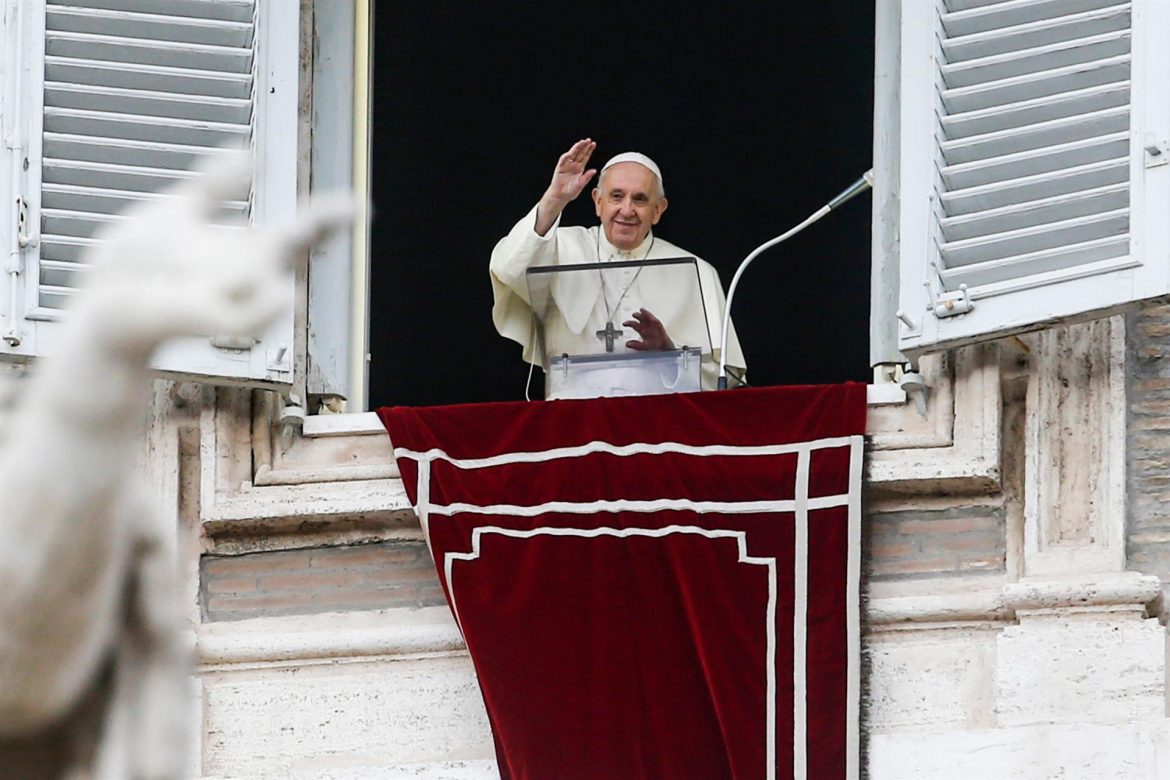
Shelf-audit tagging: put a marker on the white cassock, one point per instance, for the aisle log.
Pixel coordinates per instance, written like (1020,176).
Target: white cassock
(586,302)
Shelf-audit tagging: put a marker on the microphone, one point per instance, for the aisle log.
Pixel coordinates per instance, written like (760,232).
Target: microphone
(850,192)
(853,190)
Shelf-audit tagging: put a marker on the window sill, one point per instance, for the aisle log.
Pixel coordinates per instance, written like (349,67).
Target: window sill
(320,426)
(886,394)
(953,446)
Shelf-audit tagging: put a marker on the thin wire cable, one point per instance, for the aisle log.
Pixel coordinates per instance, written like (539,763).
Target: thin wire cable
(531,365)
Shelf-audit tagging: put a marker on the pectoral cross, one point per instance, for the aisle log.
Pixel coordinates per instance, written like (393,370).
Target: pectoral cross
(609,334)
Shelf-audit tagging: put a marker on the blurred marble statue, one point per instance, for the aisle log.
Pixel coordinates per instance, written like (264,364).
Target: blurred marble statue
(93,670)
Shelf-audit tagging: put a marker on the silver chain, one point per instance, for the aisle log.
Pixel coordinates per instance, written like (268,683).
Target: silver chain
(601,278)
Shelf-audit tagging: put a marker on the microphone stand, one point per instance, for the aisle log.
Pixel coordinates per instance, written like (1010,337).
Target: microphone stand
(852,191)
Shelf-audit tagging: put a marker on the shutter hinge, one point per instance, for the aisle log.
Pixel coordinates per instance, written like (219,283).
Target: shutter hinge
(14,267)
(949,303)
(25,237)
(954,303)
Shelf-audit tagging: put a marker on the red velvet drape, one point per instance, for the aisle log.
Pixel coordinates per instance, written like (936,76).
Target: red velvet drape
(627,578)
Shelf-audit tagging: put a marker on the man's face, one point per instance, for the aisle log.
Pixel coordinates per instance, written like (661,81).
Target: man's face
(628,204)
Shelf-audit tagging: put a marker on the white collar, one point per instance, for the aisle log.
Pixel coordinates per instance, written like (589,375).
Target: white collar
(607,251)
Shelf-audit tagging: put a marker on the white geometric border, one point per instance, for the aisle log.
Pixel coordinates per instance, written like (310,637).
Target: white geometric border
(622,450)
(800,506)
(740,537)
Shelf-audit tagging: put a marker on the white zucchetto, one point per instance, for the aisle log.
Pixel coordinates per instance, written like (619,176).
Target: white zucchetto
(636,157)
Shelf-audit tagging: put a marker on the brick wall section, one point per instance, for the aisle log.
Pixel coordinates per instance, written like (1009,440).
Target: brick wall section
(921,544)
(897,546)
(1148,441)
(322,579)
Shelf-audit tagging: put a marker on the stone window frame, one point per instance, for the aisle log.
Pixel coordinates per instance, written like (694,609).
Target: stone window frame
(336,479)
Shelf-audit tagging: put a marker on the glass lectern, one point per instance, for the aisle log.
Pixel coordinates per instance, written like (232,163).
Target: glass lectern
(581,311)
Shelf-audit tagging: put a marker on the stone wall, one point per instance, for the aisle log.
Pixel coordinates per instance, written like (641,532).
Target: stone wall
(1148,441)
(382,575)
(934,543)
(1053,662)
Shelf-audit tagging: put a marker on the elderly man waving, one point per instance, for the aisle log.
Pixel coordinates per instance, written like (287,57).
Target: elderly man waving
(629,200)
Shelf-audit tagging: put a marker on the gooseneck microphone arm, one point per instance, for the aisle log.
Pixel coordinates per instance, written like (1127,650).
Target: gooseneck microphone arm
(850,192)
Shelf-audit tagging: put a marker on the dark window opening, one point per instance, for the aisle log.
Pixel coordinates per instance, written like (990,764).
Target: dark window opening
(757,113)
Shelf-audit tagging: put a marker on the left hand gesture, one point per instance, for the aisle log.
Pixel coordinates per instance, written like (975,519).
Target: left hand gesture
(650,328)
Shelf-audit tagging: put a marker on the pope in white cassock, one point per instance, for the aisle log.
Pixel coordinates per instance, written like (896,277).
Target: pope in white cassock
(629,199)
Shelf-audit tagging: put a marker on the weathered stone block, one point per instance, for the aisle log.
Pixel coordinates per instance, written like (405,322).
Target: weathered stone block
(1088,752)
(310,720)
(931,680)
(1070,670)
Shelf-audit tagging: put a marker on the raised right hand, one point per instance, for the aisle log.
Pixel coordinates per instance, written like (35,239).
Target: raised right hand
(570,176)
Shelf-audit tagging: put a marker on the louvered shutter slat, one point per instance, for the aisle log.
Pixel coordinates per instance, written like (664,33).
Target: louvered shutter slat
(1037,212)
(155,104)
(57,222)
(56,297)
(94,200)
(1034,238)
(120,151)
(973,16)
(56,273)
(94,204)
(179,81)
(189,132)
(1037,136)
(148,52)
(1033,162)
(1000,36)
(226,10)
(109,176)
(1014,192)
(1032,86)
(1108,46)
(103,200)
(66,249)
(997,118)
(150,26)
(1043,267)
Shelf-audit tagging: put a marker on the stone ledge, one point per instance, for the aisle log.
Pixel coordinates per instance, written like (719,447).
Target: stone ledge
(1122,590)
(326,637)
(888,613)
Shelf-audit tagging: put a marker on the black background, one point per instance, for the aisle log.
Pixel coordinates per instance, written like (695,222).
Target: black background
(757,113)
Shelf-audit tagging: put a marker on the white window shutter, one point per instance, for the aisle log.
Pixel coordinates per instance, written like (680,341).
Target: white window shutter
(123,97)
(1034,178)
